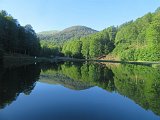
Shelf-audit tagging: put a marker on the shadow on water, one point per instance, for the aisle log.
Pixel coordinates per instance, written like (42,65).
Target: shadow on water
(14,81)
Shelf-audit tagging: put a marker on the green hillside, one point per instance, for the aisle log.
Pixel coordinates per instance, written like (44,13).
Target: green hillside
(137,40)
(66,34)
(91,46)
(48,32)
(52,41)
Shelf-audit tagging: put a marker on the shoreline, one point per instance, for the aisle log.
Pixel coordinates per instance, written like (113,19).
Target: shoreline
(11,61)
(16,61)
(110,61)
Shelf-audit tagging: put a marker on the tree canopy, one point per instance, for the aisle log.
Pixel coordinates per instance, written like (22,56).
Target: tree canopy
(15,38)
(139,39)
(91,46)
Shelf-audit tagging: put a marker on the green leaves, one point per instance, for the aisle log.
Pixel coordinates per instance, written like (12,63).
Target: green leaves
(60,37)
(73,49)
(139,40)
(15,38)
(92,46)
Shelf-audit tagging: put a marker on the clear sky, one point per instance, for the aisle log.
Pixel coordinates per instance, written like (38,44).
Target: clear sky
(59,14)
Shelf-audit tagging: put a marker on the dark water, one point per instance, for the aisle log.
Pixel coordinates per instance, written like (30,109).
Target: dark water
(80,91)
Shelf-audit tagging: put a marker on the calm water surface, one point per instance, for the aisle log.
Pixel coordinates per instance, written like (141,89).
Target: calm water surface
(80,91)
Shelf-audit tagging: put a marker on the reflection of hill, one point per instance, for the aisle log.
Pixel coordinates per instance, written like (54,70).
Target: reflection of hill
(79,76)
(139,83)
(14,81)
(64,80)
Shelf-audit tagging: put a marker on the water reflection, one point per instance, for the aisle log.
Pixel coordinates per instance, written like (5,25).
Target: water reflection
(14,81)
(139,83)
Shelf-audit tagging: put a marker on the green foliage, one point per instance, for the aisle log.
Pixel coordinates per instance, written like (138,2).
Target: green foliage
(91,46)
(139,83)
(95,48)
(137,40)
(72,49)
(85,47)
(59,37)
(52,41)
(15,38)
(132,41)
(140,39)
(50,49)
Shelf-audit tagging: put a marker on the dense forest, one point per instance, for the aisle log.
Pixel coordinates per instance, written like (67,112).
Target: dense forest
(137,40)
(52,41)
(59,37)
(91,46)
(15,38)
(84,42)
(131,41)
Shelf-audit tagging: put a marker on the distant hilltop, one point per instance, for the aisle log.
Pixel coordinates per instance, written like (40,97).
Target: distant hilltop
(66,34)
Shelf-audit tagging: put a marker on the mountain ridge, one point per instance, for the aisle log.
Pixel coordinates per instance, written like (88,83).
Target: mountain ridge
(48,32)
(66,34)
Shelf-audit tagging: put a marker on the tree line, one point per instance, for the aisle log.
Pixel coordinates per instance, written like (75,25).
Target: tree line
(131,41)
(139,39)
(91,46)
(15,38)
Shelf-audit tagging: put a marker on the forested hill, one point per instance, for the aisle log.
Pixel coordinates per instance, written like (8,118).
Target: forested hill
(47,33)
(137,40)
(66,34)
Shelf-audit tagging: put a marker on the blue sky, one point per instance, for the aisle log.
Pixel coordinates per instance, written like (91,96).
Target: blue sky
(59,14)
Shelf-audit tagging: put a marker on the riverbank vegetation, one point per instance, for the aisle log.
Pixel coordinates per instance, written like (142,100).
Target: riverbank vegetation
(137,40)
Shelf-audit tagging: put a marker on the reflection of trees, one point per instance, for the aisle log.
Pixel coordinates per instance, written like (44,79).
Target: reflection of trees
(139,83)
(83,73)
(14,81)
(92,73)
(55,75)
(52,66)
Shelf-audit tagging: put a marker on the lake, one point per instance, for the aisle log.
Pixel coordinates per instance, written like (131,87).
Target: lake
(79,91)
